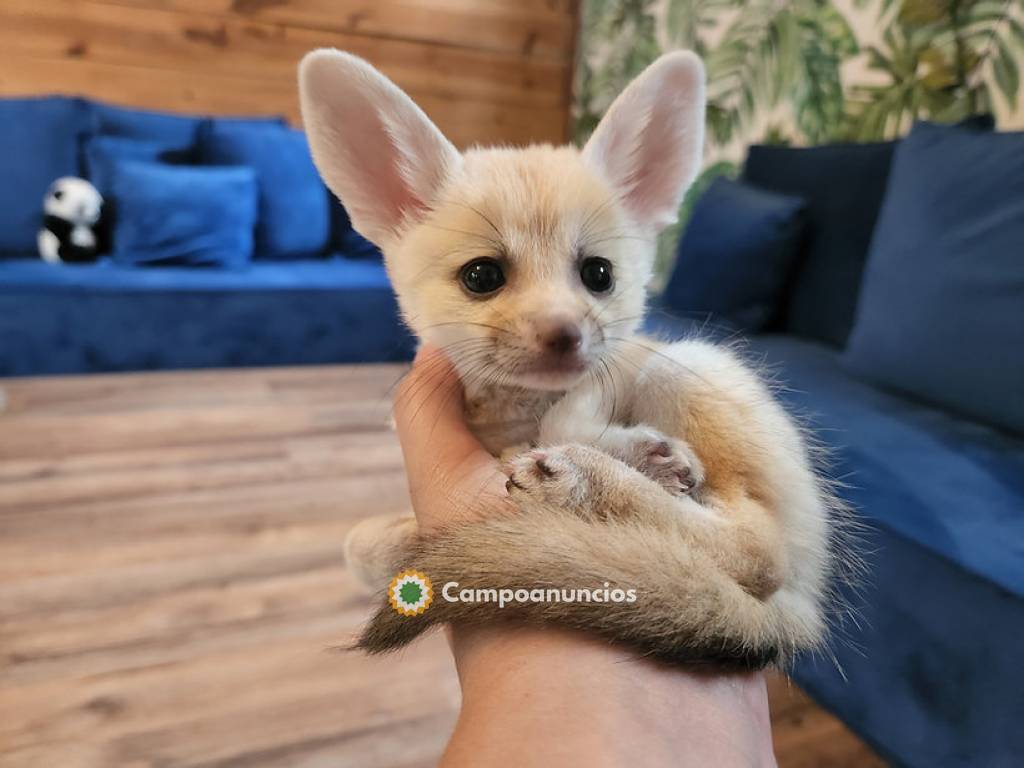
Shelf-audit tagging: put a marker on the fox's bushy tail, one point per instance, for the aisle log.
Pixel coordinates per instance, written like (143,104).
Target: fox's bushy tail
(686,610)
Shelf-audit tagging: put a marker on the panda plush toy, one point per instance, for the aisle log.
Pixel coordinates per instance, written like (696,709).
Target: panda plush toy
(71,215)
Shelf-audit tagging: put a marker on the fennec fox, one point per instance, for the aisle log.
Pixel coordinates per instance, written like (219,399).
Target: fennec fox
(664,468)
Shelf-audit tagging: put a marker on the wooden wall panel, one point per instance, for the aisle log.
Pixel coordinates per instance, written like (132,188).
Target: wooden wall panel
(488,71)
(532,27)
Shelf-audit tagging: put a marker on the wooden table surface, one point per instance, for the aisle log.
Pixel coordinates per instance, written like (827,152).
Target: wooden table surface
(172,585)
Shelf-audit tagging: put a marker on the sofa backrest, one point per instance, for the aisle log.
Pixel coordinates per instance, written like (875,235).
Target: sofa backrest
(53,136)
(40,139)
(843,186)
(43,139)
(171,131)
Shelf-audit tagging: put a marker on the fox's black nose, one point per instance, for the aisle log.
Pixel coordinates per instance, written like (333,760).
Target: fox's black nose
(561,338)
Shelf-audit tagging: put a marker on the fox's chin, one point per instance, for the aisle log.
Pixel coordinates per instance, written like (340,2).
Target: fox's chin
(550,379)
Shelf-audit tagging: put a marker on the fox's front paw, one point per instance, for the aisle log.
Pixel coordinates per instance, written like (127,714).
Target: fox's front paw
(547,476)
(669,462)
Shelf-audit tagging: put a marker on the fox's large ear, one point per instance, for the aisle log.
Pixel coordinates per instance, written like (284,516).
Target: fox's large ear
(375,149)
(649,143)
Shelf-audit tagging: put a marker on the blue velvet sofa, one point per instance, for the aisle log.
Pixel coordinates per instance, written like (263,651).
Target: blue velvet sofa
(312,291)
(926,668)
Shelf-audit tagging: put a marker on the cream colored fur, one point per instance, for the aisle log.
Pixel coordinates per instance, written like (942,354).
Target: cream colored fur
(665,467)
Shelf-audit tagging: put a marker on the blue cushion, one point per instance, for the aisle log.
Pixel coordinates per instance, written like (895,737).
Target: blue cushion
(182,215)
(736,255)
(843,185)
(941,314)
(102,153)
(294,219)
(952,485)
(174,132)
(171,131)
(39,140)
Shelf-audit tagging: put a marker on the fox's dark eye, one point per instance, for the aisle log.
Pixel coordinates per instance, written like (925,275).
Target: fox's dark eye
(482,276)
(58,194)
(596,274)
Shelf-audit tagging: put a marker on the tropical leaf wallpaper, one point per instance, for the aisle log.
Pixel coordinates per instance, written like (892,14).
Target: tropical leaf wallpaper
(809,71)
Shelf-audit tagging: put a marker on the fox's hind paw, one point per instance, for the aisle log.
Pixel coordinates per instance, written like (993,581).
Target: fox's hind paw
(669,462)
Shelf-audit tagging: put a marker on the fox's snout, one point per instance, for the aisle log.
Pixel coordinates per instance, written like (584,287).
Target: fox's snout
(557,336)
(547,350)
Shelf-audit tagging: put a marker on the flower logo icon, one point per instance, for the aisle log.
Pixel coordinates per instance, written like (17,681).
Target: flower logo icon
(410,593)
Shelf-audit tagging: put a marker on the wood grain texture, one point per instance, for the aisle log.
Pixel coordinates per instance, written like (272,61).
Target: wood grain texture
(487,72)
(172,588)
(538,28)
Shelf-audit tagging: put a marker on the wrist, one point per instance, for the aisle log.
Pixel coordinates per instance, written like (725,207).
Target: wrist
(556,694)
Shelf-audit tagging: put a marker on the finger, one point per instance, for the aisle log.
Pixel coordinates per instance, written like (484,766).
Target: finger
(451,475)
(429,414)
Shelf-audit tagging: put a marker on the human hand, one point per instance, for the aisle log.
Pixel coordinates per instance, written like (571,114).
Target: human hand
(451,475)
